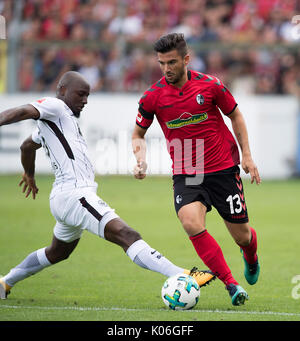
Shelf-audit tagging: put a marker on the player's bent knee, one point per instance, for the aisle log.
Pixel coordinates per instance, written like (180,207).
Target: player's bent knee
(243,240)
(192,218)
(129,235)
(57,257)
(59,250)
(241,233)
(120,233)
(192,227)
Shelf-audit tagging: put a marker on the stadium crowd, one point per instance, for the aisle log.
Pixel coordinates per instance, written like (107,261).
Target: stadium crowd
(248,44)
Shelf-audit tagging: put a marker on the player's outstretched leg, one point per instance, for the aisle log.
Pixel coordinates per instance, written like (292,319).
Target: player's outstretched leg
(117,231)
(146,257)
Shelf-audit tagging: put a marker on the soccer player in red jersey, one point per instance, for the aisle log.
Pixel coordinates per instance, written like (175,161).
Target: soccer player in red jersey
(205,157)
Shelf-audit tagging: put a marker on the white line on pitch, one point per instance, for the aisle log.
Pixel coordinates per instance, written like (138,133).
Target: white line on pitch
(149,310)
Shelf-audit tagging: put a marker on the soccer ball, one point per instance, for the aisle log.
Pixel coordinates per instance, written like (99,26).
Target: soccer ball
(180,292)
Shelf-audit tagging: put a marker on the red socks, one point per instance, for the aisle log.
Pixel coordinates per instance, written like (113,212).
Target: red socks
(250,250)
(212,256)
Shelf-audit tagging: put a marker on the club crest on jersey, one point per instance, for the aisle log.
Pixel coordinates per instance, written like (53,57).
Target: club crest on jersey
(186,119)
(200,99)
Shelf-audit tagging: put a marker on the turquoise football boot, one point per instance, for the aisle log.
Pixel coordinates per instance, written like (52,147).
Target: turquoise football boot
(251,271)
(237,293)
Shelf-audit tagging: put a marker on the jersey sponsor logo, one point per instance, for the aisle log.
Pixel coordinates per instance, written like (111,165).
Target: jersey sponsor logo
(200,99)
(41,100)
(186,119)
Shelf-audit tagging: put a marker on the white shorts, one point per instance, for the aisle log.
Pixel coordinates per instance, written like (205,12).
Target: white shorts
(78,210)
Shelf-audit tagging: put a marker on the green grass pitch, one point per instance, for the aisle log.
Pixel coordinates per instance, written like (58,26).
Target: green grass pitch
(100,283)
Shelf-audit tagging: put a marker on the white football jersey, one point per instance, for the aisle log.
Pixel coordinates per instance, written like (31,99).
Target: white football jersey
(58,132)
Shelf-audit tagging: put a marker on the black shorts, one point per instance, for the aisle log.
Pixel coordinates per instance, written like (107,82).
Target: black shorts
(223,190)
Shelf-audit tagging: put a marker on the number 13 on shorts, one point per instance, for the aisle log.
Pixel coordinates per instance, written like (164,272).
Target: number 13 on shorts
(235,204)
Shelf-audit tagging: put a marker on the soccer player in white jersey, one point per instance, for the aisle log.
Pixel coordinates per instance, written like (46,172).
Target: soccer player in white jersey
(73,199)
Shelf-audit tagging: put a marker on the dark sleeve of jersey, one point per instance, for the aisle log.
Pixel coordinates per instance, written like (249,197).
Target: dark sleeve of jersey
(145,114)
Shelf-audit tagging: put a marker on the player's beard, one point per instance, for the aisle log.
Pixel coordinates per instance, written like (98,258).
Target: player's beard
(178,76)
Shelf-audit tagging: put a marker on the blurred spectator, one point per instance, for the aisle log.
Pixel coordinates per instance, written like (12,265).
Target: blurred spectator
(109,41)
(49,69)
(241,69)
(131,25)
(26,76)
(216,65)
(135,74)
(114,70)
(265,84)
(90,65)
(196,62)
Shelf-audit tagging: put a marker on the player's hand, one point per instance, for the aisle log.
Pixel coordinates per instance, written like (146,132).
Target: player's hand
(139,170)
(249,167)
(29,186)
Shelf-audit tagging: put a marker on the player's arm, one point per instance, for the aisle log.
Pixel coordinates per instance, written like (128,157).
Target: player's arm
(144,119)
(23,112)
(139,151)
(28,154)
(240,131)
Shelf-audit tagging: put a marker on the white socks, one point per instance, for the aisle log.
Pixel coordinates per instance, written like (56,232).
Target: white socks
(32,264)
(139,252)
(146,257)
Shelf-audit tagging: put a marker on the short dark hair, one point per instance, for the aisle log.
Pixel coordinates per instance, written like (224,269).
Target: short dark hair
(172,41)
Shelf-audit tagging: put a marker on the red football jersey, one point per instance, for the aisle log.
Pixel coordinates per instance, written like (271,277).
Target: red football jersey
(197,137)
